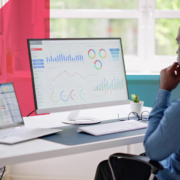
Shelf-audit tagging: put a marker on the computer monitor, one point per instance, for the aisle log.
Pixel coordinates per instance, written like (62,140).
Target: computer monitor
(76,74)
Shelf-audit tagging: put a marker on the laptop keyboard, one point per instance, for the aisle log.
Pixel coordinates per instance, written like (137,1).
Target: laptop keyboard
(22,132)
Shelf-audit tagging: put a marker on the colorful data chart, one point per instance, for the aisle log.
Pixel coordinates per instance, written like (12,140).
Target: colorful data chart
(115,54)
(64,96)
(72,94)
(110,86)
(54,97)
(63,58)
(98,64)
(92,53)
(102,53)
(67,73)
(82,94)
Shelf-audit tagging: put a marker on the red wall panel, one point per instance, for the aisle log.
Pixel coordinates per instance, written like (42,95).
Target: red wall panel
(20,20)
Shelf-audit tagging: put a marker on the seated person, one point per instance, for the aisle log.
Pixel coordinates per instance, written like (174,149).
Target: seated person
(162,138)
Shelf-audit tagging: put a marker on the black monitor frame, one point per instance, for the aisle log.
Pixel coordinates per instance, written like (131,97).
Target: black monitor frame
(75,107)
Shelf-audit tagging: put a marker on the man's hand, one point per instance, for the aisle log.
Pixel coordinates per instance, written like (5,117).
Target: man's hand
(170,77)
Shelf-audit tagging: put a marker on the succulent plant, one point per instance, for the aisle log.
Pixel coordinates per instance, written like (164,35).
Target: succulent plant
(135,98)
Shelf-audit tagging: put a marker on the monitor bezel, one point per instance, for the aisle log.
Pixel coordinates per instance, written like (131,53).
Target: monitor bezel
(15,124)
(75,107)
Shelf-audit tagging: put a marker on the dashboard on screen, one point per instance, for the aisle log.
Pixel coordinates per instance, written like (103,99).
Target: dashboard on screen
(72,72)
(10,114)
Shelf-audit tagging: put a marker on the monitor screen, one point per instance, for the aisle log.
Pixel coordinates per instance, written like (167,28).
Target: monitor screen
(70,74)
(9,109)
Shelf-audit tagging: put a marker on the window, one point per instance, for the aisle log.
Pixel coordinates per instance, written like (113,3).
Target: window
(3,2)
(148,28)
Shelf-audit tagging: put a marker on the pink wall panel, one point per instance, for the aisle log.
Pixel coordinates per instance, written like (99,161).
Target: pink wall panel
(20,20)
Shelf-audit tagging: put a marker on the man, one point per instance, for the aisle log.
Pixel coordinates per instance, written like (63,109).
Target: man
(162,138)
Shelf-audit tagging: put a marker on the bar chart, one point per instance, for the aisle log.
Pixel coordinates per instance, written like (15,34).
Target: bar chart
(64,58)
(110,85)
(115,54)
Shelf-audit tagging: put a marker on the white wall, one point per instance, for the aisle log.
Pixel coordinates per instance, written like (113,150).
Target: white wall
(79,166)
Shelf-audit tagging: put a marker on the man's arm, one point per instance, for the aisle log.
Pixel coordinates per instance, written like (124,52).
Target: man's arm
(163,132)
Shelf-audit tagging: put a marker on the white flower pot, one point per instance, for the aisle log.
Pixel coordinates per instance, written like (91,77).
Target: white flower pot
(136,107)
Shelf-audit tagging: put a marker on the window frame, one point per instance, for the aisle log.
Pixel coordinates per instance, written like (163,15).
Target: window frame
(146,14)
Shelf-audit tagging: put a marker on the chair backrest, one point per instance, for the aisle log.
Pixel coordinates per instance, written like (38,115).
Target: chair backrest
(127,167)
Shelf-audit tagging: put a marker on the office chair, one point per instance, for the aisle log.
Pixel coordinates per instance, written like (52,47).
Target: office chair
(143,160)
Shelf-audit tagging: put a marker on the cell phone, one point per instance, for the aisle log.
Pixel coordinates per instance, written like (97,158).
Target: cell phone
(178,59)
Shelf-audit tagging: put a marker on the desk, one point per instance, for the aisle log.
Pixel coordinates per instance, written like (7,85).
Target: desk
(41,149)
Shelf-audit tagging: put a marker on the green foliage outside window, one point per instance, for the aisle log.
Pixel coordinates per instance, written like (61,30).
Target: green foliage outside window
(166,29)
(166,33)
(168,4)
(94,4)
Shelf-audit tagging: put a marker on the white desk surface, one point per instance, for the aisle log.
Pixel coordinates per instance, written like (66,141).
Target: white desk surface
(41,149)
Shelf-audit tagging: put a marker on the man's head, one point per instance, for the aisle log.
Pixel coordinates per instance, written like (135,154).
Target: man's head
(178,40)
(178,50)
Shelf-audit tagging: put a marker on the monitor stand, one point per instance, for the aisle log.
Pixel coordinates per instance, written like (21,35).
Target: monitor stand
(74,119)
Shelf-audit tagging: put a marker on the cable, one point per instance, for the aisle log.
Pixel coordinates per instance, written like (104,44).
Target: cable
(30,113)
(120,118)
(3,172)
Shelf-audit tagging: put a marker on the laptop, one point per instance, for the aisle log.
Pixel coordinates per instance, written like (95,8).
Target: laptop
(12,129)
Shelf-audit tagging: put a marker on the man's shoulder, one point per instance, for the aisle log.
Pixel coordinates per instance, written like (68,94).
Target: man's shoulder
(176,104)
(176,100)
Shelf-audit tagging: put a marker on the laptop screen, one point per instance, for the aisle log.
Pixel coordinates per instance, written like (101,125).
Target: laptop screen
(10,114)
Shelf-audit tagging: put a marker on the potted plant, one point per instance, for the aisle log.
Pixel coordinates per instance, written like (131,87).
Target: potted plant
(136,104)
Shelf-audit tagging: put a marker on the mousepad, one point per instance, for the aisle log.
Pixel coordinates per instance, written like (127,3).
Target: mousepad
(70,136)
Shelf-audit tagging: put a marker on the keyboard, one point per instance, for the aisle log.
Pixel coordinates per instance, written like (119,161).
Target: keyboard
(114,127)
(19,134)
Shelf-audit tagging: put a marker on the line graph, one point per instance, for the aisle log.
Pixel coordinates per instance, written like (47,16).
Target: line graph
(53,79)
